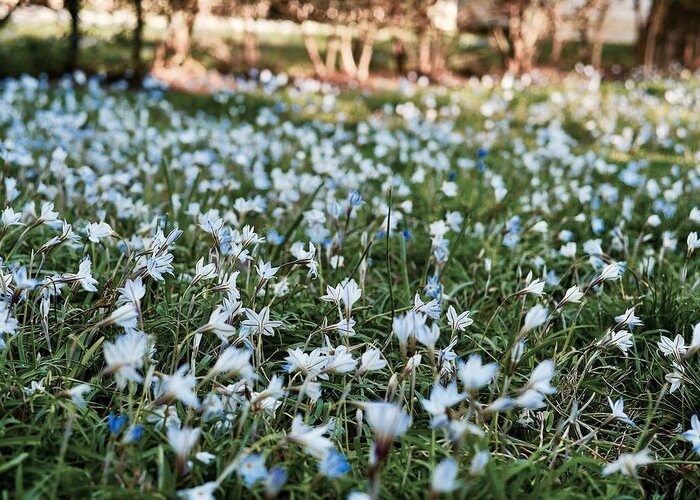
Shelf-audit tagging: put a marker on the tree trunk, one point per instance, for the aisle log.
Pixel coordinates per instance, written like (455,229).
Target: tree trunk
(176,49)
(438,65)
(656,19)
(366,54)
(598,38)
(555,17)
(424,62)
(518,62)
(138,39)
(313,53)
(73,7)
(347,59)
(672,34)
(399,51)
(332,47)
(251,52)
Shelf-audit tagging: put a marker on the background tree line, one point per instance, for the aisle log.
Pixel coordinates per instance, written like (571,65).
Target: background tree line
(517,30)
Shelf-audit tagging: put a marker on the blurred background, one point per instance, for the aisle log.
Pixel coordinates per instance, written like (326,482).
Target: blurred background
(345,40)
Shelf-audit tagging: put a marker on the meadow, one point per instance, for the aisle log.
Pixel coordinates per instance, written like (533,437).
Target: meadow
(302,291)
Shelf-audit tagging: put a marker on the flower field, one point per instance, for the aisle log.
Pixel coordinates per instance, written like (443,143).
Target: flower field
(302,291)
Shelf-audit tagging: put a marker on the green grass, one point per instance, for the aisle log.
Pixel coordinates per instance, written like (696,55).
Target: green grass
(51,447)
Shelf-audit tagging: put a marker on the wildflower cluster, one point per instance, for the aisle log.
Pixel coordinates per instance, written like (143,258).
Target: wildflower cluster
(245,299)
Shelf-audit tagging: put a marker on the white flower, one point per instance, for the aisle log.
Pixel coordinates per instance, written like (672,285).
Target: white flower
(11,218)
(479,463)
(676,377)
(311,438)
(617,410)
(412,363)
(536,287)
(627,463)
(428,336)
(178,386)
(124,357)
(333,294)
(474,375)
(693,435)
(47,214)
(622,339)
(202,492)
(444,478)
(530,399)
(442,398)
(261,322)
(388,422)
(432,308)
(98,230)
(371,360)
(610,272)
(449,189)
(203,272)
(183,440)
(83,276)
(125,316)
(349,294)
(534,318)
(573,295)
(234,361)
(458,321)
(218,324)
(132,292)
(310,364)
(341,361)
(695,342)
(693,242)
(541,378)
(628,318)
(675,347)
(76,394)
(265,270)
(568,250)
(408,325)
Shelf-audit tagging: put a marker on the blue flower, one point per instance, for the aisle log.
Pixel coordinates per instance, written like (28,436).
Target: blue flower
(252,469)
(598,225)
(511,240)
(513,224)
(275,481)
(334,465)
(116,423)
(482,153)
(133,433)
(406,234)
(433,289)
(453,176)
(274,238)
(355,198)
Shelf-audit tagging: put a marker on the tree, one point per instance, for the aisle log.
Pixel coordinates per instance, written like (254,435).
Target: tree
(671,35)
(73,7)
(137,42)
(516,27)
(528,24)
(175,49)
(249,11)
(589,21)
(357,20)
(8,7)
